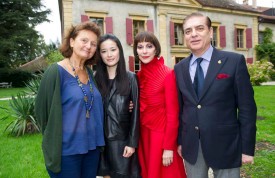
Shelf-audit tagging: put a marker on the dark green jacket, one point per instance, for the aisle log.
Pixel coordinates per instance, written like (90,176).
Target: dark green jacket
(48,110)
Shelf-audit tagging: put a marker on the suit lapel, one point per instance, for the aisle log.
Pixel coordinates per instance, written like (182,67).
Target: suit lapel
(187,77)
(216,63)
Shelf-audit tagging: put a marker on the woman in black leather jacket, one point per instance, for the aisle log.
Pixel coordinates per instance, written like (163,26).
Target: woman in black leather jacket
(118,87)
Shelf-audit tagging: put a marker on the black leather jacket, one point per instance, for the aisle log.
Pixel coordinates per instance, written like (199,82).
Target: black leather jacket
(120,124)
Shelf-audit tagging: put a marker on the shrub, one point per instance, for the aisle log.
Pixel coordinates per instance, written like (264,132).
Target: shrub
(54,56)
(260,71)
(17,77)
(22,110)
(33,85)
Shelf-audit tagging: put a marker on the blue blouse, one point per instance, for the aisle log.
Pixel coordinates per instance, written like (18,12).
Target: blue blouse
(79,133)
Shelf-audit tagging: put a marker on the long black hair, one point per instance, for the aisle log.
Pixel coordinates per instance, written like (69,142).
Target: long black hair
(102,76)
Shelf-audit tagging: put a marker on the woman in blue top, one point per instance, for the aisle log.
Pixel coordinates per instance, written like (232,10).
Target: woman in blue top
(69,108)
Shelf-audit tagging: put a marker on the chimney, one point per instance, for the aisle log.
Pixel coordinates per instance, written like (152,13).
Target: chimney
(254,4)
(245,2)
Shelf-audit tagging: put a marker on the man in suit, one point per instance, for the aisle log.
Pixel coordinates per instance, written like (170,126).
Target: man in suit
(217,108)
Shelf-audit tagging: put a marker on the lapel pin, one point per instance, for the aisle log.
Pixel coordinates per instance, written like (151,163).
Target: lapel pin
(219,61)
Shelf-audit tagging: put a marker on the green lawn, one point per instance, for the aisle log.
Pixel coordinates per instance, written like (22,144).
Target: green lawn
(8,92)
(22,157)
(264,166)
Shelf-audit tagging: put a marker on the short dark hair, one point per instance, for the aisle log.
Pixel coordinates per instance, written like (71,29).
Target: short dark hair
(102,77)
(146,37)
(73,32)
(197,14)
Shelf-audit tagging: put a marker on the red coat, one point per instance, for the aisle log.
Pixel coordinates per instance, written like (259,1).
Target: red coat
(158,121)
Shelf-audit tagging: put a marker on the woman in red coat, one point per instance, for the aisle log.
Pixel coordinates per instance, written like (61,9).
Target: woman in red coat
(157,151)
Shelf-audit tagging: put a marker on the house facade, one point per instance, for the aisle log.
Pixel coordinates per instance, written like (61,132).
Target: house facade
(235,26)
(266,20)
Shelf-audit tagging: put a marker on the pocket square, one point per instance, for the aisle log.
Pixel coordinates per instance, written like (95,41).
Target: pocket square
(222,76)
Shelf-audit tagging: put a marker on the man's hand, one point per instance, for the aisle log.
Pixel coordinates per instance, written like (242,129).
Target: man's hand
(179,151)
(247,159)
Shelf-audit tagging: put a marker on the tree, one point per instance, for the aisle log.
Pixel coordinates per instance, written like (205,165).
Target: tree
(19,40)
(266,50)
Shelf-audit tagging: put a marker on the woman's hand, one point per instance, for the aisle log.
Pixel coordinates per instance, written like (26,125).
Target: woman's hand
(128,151)
(167,157)
(131,106)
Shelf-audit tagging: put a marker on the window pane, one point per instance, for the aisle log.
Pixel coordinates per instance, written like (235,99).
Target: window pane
(178,59)
(137,65)
(138,26)
(240,37)
(261,37)
(215,37)
(178,34)
(99,22)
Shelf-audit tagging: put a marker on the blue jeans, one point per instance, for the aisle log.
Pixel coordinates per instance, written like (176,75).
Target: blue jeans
(78,166)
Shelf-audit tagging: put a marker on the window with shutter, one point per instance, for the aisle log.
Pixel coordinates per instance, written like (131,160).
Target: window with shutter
(100,18)
(136,24)
(240,37)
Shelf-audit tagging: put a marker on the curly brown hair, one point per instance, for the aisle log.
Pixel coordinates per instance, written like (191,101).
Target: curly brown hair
(73,32)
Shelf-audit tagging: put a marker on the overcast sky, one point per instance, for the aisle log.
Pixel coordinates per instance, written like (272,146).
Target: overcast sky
(51,31)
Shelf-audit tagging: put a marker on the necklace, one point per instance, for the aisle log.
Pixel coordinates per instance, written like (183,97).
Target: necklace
(88,107)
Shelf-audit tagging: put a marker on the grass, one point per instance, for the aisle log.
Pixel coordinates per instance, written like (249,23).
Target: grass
(8,92)
(22,157)
(265,148)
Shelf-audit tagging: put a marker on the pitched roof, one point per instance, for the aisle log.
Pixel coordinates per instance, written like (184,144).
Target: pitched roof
(269,12)
(37,64)
(226,4)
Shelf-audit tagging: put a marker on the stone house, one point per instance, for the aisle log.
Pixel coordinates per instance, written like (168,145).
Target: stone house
(266,20)
(235,26)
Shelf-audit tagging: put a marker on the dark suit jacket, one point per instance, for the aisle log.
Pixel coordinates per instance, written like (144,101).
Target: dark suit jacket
(224,118)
